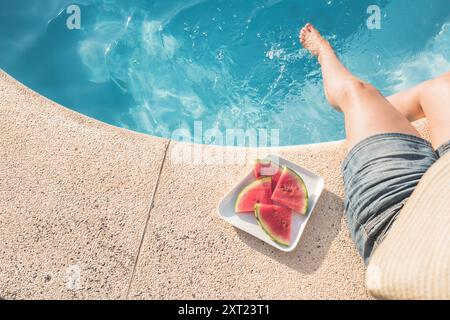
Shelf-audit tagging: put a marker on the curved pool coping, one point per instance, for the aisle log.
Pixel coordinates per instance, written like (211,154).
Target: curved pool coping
(92,211)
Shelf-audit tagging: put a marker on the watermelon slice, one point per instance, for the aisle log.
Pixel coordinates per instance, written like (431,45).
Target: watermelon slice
(291,192)
(266,168)
(276,221)
(259,191)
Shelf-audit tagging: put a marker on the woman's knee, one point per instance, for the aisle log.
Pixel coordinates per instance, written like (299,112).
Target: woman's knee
(440,84)
(355,88)
(443,83)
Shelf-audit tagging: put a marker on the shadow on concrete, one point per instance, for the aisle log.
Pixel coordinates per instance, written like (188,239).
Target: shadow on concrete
(322,228)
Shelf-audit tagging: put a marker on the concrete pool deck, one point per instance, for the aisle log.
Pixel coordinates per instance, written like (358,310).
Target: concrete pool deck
(91,211)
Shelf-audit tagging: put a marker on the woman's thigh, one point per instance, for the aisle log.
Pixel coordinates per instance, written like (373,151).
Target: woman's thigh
(367,113)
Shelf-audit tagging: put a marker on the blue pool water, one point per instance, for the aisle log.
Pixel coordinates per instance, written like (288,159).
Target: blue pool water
(155,66)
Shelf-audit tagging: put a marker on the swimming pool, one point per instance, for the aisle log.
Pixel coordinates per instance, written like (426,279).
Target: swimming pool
(156,66)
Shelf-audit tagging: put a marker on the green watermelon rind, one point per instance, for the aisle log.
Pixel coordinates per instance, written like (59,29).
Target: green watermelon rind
(263,161)
(268,162)
(265,229)
(302,184)
(252,185)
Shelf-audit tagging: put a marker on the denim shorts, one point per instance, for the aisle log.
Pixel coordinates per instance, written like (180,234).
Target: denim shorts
(380,173)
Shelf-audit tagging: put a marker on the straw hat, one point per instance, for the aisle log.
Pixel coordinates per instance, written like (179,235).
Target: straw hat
(413,261)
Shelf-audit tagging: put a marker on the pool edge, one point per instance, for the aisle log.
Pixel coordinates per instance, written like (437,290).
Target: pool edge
(137,159)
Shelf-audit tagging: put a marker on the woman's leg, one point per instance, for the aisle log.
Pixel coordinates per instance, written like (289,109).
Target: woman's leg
(381,174)
(407,102)
(430,99)
(367,112)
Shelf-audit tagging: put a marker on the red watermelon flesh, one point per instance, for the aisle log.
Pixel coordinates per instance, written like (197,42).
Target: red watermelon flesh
(257,192)
(267,169)
(276,221)
(291,192)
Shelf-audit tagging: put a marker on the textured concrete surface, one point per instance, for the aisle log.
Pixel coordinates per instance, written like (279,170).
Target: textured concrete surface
(74,199)
(189,252)
(92,211)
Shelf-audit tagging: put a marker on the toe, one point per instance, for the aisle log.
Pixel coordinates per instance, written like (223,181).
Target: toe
(313,29)
(302,33)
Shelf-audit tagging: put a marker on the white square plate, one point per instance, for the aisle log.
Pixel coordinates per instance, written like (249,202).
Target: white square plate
(248,223)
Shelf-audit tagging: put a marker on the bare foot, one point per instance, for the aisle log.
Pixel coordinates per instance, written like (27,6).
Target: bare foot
(311,40)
